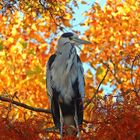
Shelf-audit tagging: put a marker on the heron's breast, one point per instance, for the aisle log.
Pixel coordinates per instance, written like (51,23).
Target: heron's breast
(64,73)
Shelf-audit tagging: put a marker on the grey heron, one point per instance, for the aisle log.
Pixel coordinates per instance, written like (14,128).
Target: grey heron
(65,84)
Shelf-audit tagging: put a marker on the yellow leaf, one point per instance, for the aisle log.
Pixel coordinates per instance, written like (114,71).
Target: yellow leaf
(14,31)
(28,30)
(111,38)
(83,2)
(34,27)
(13,49)
(33,14)
(2,53)
(134,33)
(10,40)
(68,16)
(137,45)
(24,56)
(97,50)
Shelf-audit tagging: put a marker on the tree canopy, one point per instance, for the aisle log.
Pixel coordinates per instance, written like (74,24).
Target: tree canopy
(29,30)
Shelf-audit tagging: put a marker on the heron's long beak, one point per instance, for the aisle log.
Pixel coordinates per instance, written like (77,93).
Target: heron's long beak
(80,41)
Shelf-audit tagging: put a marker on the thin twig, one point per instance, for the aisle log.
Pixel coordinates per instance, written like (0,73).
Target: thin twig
(10,104)
(5,99)
(97,90)
(57,24)
(132,82)
(52,130)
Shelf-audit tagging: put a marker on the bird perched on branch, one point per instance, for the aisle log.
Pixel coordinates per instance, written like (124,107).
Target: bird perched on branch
(65,84)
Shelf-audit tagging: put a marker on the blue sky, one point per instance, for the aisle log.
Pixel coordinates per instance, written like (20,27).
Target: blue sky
(78,16)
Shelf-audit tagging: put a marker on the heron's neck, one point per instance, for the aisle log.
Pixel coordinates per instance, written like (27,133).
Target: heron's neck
(65,49)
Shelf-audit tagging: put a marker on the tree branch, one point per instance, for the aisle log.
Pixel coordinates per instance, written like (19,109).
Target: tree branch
(132,80)
(44,4)
(97,90)
(5,99)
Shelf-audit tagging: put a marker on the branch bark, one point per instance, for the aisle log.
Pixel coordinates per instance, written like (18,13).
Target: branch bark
(97,90)
(137,57)
(5,99)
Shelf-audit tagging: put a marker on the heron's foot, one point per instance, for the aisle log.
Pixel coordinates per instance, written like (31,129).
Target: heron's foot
(51,129)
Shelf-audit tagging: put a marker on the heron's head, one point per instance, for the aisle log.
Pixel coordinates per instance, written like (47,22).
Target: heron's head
(71,38)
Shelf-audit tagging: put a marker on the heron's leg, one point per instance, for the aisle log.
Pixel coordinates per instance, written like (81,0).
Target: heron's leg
(76,120)
(61,121)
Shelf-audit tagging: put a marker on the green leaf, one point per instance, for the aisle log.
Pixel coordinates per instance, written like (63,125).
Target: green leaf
(11,67)
(37,70)
(24,44)
(31,51)
(1,47)
(29,72)
(100,72)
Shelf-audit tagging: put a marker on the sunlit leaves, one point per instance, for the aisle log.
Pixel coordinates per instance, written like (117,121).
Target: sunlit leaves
(113,112)
(100,72)
(1,47)
(23,43)
(114,34)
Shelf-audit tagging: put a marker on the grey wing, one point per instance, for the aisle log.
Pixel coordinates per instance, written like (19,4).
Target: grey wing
(81,81)
(52,93)
(80,89)
(48,78)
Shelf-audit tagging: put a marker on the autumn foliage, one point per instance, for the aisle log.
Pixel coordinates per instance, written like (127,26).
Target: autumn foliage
(28,34)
